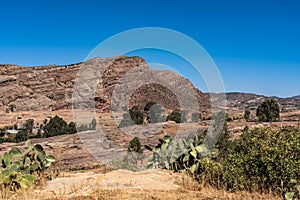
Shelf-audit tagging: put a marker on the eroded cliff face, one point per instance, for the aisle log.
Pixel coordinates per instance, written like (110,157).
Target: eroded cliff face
(51,87)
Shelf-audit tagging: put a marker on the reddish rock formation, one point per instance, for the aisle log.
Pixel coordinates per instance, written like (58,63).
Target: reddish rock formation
(51,87)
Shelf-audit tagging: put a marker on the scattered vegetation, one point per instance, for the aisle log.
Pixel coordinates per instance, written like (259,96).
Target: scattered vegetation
(261,160)
(151,113)
(55,126)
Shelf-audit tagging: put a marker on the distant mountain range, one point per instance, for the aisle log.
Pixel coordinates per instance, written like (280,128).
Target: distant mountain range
(251,101)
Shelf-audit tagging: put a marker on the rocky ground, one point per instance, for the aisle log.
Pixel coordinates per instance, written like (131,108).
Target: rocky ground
(128,185)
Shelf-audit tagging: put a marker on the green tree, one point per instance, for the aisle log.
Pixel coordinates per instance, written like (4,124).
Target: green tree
(71,128)
(175,116)
(223,144)
(247,114)
(268,111)
(126,121)
(149,105)
(134,153)
(135,145)
(56,126)
(264,159)
(22,135)
(28,125)
(136,115)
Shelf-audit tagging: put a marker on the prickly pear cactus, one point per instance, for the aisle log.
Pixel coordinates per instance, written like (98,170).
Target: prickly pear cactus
(17,168)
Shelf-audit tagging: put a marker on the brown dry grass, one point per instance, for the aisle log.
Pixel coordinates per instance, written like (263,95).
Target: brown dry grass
(190,190)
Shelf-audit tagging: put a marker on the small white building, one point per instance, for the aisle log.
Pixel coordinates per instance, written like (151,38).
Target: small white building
(13,131)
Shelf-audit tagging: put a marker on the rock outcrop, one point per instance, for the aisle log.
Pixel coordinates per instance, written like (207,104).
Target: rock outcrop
(51,87)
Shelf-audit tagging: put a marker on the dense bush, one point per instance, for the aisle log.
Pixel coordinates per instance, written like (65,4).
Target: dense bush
(28,125)
(264,159)
(175,116)
(55,126)
(135,145)
(135,116)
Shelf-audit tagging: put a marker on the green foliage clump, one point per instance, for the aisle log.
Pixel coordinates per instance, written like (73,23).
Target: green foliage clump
(58,126)
(135,116)
(175,116)
(149,105)
(135,145)
(188,156)
(247,114)
(264,159)
(20,170)
(260,160)
(224,144)
(268,111)
(28,125)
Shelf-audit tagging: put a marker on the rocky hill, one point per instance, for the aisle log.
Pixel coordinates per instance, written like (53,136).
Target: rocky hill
(49,88)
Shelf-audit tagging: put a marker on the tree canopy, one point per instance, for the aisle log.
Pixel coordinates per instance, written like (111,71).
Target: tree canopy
(268,111)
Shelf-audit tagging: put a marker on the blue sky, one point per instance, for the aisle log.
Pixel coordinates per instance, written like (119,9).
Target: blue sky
(255,44)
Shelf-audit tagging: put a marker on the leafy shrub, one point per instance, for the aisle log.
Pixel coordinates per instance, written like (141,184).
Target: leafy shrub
(264,159)
(175,116)
(135,145)
(224,145)
(149,105)
(55,126)
(18,170)
(126,121)
(134,154)
(135,116)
